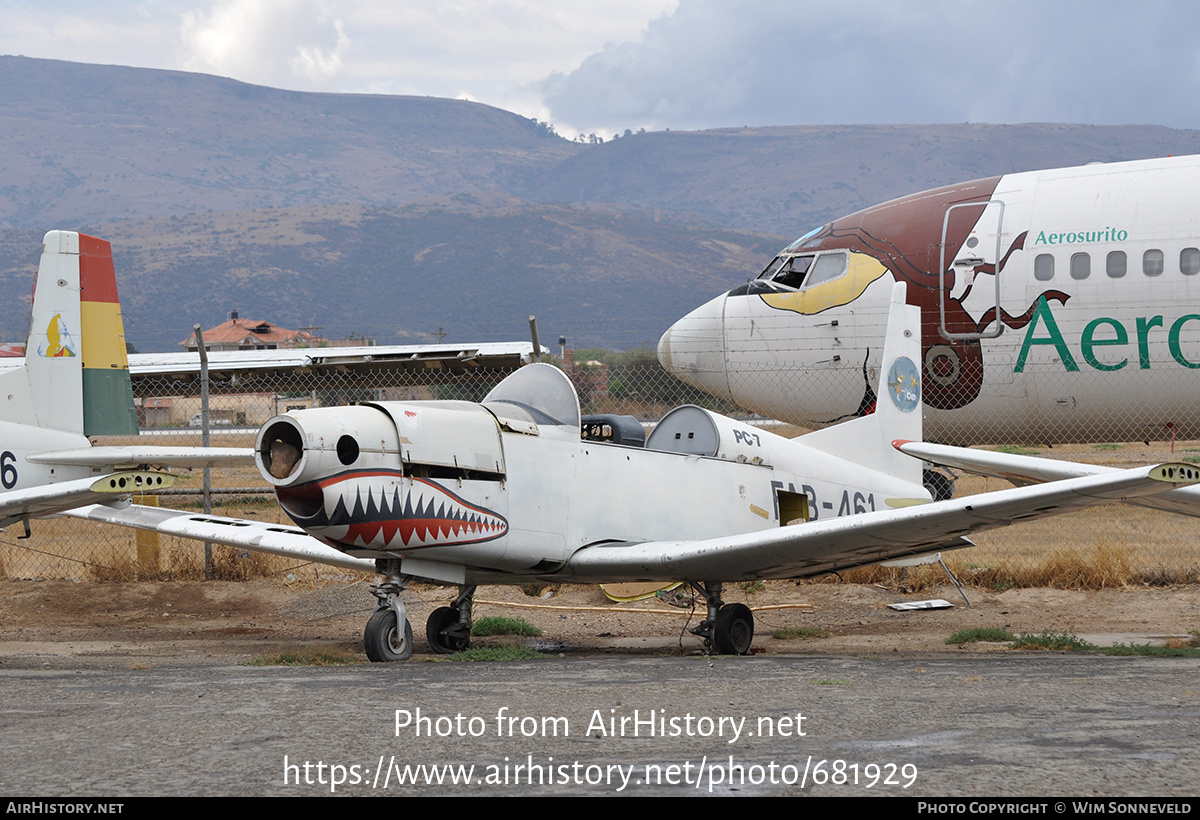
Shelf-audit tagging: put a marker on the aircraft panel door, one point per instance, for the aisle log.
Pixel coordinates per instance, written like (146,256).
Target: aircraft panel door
(455,434)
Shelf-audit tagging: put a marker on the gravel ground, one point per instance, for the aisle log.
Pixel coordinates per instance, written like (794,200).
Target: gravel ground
(236,621)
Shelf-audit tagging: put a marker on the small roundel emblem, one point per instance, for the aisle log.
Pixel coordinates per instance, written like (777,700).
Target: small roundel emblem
(904,384)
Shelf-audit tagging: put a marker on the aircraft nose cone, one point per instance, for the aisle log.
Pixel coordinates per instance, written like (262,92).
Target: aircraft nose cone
(693,349)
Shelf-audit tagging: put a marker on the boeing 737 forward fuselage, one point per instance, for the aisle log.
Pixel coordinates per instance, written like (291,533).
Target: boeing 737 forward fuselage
(1059,305)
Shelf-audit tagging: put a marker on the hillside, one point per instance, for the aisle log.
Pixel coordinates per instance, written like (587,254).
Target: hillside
(391,216)
(786,180)
(86,143)
(476,264)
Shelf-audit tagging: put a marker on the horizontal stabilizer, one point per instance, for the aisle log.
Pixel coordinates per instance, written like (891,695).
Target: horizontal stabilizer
(1023,470)
(51,499)
(182,457)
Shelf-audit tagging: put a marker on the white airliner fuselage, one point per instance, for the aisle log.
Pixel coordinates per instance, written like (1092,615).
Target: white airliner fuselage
(1096,272)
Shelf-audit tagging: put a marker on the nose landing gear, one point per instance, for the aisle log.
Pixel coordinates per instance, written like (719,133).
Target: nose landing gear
(388,636)
(383,641)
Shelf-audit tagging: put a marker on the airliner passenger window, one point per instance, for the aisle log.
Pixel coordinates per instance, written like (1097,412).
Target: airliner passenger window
(828,266)
(1081,265)
(1189,261)
(1043,267)
(1115,264)
(1152,263)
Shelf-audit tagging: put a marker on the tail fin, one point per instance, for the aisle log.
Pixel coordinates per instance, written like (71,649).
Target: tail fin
(78,372)
(868,440)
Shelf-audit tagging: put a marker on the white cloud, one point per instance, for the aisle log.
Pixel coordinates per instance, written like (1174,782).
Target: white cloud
(608,65)
(495,51)
(291,43)
(712,63)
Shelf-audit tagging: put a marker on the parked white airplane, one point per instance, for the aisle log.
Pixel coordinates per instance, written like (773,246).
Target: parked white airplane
(508,492)
(1055,305)
(74,384)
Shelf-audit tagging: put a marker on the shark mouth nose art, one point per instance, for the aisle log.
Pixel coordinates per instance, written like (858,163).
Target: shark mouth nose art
(425,515)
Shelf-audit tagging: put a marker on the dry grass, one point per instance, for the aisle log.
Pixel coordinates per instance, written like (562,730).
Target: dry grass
(1103,566)
(66,548)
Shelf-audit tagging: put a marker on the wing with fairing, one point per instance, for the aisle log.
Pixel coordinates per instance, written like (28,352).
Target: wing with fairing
(788,552)
(841,543)
(126,471)
(50,499)
(1022,470)
(277,539)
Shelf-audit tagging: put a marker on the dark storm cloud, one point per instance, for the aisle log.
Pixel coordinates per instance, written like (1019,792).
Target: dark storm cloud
(774,62)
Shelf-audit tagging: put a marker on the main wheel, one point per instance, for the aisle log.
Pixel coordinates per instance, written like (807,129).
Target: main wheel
(383,641)
(939,486)
(440,620)
(734,630)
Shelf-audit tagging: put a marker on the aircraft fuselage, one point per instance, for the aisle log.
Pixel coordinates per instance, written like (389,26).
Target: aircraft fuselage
(468,493)
(1096,272)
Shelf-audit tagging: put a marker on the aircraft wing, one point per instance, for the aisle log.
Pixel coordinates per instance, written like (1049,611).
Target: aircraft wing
(795,551)
(840,543)
(316,367)
(278,539)
(119,457)
(1022,470)
(50,499)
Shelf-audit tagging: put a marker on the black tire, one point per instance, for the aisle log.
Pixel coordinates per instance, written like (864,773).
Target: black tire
(939,486)
(734,630)
(439,621)
(383,641)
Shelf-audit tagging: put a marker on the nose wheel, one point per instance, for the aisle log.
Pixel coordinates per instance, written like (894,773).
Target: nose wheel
(385,643)
(388,637)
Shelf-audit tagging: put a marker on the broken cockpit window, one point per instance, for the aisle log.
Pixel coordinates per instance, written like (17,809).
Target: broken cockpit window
(793,272)
(788,271)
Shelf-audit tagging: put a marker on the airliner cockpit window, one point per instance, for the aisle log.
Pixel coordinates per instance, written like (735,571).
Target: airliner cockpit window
(791,273)
(773,268)
(828,266)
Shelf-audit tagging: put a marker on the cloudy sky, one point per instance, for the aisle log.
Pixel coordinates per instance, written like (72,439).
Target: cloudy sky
(607,65)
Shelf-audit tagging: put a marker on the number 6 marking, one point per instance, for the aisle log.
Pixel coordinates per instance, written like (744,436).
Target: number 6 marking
(8,470)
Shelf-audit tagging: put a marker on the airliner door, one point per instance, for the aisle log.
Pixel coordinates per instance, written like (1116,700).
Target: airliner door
(977,256)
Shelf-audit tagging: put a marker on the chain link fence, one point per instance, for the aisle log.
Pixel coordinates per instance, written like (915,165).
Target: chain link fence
(1108,545)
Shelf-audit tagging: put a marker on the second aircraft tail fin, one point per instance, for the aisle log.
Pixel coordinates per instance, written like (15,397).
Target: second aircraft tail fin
(75,360)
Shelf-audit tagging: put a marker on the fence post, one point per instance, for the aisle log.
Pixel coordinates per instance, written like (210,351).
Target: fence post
(208,565)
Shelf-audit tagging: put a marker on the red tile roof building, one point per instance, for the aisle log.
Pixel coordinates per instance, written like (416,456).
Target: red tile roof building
(253,334)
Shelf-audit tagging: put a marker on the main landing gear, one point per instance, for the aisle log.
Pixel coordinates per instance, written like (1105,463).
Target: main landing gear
(727,628)
(389,637)
(449,627)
